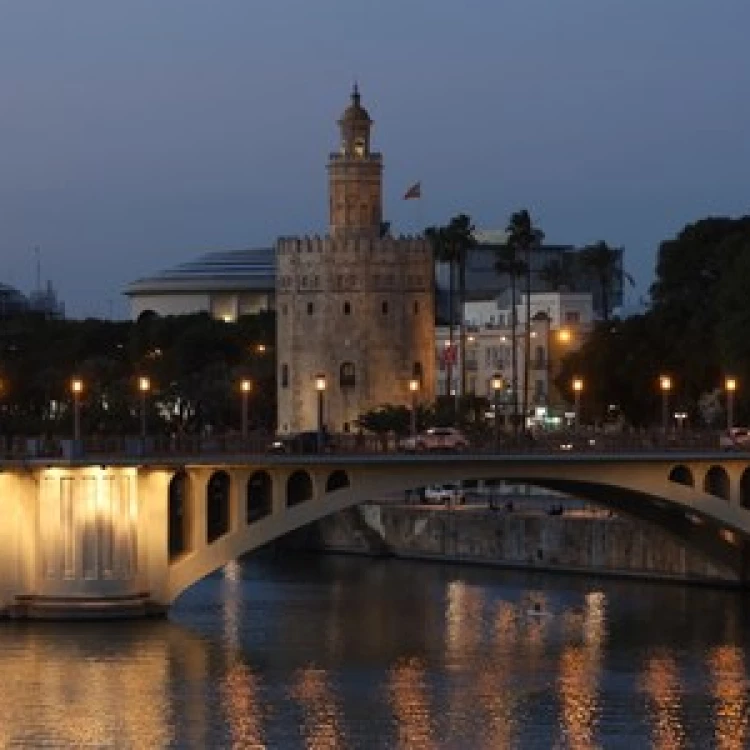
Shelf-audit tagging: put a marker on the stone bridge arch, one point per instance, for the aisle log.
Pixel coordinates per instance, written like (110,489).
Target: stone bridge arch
(706,514)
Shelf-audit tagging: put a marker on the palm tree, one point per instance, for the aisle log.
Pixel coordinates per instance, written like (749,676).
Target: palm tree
(524,237)
(603,262)
(442,250)
(460,233)
(508,263)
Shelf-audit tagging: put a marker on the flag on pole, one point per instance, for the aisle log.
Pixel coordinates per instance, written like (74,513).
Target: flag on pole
(415,191)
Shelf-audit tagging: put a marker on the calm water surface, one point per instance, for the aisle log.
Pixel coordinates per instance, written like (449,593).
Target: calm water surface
(337,652)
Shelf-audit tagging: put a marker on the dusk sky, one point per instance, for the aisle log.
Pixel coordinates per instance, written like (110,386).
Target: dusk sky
(139,134)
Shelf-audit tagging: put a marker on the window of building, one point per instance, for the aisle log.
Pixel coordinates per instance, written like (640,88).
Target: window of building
(384,308)
(347,308)
(309,308)
(285,375)
(572,316)
(417,372)
(284,309)
(416,308)
(347,377)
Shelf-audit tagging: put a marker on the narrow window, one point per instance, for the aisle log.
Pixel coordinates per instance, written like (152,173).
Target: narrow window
(347,378)
(309,308)
(416,308)
(347,308)
(384,308)
(284,376)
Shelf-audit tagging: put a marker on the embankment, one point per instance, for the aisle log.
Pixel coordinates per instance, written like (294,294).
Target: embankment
(570,542)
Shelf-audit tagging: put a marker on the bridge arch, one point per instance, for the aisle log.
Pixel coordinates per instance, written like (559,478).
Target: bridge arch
(745,488)
(217,505)
(179,518)
(258,496)
(682,475)
(337,480)
(299,488)
(716,482)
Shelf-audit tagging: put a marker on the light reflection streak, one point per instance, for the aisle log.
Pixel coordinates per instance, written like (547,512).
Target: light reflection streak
(662,685)
(240,691)
(727,666)
(580,668)
(322,716)
(233,597)
(411,705)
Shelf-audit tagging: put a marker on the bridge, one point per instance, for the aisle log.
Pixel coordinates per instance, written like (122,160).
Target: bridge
(118,535)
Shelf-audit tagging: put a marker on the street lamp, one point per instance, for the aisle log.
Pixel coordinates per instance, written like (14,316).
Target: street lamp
(577,388)
(497,387)
(320,386)
(414,388)
(731,385)
(665,383)
(76,388)
(144,385)
(245,387)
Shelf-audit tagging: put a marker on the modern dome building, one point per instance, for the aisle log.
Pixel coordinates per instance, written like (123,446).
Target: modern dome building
(225,284)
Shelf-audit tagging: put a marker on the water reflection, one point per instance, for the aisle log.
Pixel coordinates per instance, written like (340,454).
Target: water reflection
(361,654)
(730,685)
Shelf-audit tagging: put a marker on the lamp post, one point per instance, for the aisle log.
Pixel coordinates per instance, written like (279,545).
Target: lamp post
(320,386)
(577,389)
(245,387)
(665,383)
(731,385)
(144,385)
(76,388)
(414,388)
(497,386)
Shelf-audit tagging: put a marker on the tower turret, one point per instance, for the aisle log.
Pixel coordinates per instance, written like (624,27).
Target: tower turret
(355,176)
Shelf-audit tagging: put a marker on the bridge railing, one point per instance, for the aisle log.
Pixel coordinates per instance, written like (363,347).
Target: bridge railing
(98,447)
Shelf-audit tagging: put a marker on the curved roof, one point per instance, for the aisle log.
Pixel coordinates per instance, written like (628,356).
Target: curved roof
(355,111)
(252,269)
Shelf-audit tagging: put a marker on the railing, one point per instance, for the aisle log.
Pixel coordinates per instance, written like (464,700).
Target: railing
(158,446)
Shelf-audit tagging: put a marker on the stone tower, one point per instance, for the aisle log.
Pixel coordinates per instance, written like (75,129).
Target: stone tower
(355,306)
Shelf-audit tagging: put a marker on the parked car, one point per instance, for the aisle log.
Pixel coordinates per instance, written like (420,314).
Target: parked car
(446,494)
(436,439)
(300,442)
(735,439)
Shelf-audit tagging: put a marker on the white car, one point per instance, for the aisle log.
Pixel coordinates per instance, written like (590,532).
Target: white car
(448,494)
(436,439)
(735,439)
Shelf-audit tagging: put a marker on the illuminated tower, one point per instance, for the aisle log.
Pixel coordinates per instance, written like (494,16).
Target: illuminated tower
(355,307)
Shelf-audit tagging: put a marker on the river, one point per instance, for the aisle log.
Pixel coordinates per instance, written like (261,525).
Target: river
(344,652)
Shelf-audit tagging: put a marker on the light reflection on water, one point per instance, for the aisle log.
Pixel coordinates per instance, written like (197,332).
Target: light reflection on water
(355,653)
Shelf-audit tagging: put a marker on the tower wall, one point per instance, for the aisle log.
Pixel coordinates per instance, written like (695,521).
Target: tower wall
(354,301)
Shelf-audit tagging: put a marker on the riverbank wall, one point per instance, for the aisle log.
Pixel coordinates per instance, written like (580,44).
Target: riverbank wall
(574,542)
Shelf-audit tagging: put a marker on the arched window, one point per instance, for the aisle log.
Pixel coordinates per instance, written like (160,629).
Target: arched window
(347,308)
(285,375)
(347,376)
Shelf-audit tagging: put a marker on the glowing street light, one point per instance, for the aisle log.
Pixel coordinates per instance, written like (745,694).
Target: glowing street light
(144,386)
(665,384)
(414,389)
(577,390)
(497,386)
(246,386)
(320,386)
(731,386)
(76,388)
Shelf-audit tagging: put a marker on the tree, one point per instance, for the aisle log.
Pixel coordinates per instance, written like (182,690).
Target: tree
(524,237)
(443,251)
(509,264)
(603,262)
(460,233)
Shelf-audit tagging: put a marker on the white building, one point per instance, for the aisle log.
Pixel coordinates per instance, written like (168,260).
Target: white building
(560,322)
